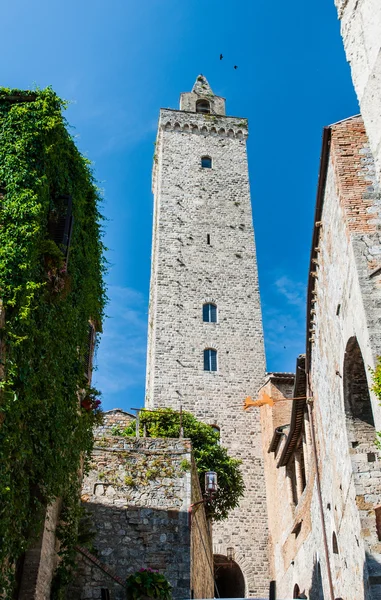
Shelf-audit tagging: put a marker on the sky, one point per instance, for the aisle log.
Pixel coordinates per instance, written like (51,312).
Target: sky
(118,62)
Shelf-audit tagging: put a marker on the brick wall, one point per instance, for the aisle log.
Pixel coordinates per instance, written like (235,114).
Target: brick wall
(113,418)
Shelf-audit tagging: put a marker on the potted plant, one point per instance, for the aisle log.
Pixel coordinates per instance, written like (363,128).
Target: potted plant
(147,583)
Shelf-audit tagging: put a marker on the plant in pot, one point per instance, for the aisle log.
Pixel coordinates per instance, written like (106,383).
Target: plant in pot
(147,583)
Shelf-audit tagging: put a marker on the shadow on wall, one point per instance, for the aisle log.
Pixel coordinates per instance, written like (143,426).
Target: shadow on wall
(127,539)
(316,591)
(371,578)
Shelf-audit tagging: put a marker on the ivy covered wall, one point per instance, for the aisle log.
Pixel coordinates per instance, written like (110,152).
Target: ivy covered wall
(51,287)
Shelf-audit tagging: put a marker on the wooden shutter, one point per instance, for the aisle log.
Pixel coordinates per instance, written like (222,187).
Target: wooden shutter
(213,360)
(205,313)
(213,313)
(206,360)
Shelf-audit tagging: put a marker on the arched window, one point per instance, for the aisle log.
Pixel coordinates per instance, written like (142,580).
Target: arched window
(206,162)
(216,429)
(296,591)
(335,547)
(209,313)
(203,106)
(210,359)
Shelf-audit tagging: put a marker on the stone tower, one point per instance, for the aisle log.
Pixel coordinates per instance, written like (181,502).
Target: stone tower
(205,341)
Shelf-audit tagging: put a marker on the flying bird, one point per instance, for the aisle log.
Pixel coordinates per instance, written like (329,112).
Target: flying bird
(221,56)
(235,67)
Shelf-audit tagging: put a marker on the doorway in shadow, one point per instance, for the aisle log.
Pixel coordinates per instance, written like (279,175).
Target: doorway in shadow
(228,577)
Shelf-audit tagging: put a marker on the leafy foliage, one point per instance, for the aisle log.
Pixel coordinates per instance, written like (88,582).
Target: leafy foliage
(147,582)
(208,455)
(376,388)
(44,433)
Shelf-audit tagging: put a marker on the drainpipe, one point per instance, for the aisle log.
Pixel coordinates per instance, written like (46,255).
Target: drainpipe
(320,497)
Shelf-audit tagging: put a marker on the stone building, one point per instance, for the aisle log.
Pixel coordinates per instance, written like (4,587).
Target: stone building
(361,31)
(205,346)
(323,470)
(139,495)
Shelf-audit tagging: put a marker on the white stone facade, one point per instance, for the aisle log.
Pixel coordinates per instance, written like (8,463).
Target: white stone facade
(361,31)
(203,252)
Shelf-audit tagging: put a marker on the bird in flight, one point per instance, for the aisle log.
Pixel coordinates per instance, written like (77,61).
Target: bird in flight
(235,67)
(221,56)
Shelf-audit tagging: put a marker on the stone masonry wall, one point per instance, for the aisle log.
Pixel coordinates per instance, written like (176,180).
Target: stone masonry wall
(138,492)
(361,31)
(190,269)
(346,307)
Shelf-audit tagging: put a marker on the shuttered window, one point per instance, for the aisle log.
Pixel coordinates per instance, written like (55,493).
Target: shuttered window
(61,224)
(209,313)
(210,359)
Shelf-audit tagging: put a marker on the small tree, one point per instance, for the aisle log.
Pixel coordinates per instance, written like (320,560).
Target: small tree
(208,455)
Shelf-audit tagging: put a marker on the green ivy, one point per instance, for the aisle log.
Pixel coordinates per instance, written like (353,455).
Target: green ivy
(44,434)
(208,455)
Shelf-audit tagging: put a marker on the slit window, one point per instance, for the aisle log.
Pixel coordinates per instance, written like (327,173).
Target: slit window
(105,594)
(209,313)
(210,359)
(206,162)
(203,106)
(89,352)
(208,239)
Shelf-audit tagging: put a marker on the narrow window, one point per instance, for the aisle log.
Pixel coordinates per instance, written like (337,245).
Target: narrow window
(88,357)
(61,223)
(203,106)
(206,162)
(105,594)
(210,359)
(209,313)
(335,547)
(377,511)
(208,239)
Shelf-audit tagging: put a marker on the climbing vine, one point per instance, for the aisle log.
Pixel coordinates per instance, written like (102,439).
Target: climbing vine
(208,454)
(48,296)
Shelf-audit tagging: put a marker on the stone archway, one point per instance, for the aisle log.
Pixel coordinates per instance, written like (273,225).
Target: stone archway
(228,577)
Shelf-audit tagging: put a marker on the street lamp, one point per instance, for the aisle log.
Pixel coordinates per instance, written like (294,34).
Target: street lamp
(209,494)
(210,483)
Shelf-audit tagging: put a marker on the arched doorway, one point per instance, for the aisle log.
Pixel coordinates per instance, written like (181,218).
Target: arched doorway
(228,577)
(358,407)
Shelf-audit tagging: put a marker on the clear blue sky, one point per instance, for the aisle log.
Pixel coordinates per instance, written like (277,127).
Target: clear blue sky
(119,61)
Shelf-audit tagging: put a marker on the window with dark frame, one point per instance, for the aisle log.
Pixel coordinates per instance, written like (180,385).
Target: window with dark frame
(206,162)
(210,359)
(60,224)
(209,313)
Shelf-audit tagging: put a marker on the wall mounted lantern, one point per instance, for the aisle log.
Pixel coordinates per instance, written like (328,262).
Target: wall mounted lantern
(210,483)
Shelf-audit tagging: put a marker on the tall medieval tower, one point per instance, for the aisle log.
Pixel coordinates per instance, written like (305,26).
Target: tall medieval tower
(205,341)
